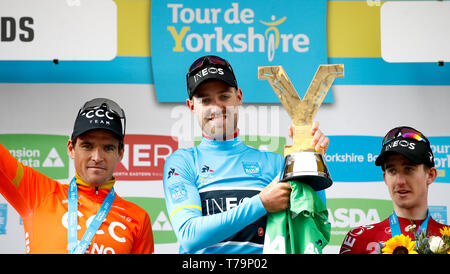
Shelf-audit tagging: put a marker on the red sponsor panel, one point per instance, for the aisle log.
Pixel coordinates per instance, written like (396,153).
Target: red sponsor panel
(144,157)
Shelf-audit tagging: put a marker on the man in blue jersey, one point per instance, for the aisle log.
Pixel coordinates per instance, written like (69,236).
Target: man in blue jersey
(219,192)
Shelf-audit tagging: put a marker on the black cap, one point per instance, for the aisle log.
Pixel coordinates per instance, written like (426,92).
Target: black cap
(400,140)
(99,117)
(207,68)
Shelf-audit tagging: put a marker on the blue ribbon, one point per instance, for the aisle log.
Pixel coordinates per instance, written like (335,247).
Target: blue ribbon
(73,246)
(395,224)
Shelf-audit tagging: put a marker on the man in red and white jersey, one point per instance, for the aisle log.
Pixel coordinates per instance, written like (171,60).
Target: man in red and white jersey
(408,168)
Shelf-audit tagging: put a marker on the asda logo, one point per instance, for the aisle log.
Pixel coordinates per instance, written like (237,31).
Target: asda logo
(353,217)
(345,214)
(44,153)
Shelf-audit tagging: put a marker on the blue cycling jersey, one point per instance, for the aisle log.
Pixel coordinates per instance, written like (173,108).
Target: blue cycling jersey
(211,193)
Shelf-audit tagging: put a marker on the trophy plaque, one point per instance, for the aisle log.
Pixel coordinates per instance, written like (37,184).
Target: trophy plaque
(302,162)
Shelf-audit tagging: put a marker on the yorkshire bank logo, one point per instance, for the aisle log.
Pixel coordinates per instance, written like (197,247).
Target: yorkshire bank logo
(360,153)
(144,157)
(186,37)
(247,33)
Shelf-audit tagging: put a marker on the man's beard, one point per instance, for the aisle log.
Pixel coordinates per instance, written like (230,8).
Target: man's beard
(219,125)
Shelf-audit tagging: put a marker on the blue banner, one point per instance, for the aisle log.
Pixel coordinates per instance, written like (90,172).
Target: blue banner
(246,33)
(352,158)
(3,218)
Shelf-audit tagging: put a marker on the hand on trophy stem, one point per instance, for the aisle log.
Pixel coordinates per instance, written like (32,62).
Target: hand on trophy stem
(276,195)
(319,140)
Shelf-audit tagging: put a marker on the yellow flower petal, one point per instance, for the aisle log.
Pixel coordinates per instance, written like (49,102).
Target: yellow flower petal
(445,231)
(387,250)
(398,242)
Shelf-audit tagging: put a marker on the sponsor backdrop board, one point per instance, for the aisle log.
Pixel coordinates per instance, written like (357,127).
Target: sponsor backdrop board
(75,30)
(40,98)
(43,152)
(144,157)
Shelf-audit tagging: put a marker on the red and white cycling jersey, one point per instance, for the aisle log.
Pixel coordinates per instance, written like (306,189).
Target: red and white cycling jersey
(365,239)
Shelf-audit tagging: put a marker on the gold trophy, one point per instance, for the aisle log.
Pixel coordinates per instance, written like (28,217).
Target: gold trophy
(302,162)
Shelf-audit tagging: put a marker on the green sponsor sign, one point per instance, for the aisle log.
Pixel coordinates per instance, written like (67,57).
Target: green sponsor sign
(44,153)
(345,214)
(266,143)
(156,209)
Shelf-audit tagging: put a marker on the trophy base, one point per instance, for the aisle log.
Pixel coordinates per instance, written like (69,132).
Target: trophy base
(307,167)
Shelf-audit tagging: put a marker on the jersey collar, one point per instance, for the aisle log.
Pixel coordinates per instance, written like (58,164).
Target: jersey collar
(231,146)
(108,185)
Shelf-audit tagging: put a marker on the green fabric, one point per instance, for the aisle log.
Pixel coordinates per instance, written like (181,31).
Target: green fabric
(303,228)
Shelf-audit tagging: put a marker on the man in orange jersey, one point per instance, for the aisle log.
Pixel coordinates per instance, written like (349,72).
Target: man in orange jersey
(85,216)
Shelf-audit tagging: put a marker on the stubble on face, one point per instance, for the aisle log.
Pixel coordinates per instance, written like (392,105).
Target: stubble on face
(407,183)
(96,155)
(216,106)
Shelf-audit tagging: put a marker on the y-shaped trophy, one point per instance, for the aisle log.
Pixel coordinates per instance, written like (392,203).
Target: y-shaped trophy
(302,162)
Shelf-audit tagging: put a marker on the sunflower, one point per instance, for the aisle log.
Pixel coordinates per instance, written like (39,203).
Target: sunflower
(445,231)
(399,244)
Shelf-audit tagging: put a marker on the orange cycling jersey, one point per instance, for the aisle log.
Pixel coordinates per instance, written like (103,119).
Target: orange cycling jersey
(43,205)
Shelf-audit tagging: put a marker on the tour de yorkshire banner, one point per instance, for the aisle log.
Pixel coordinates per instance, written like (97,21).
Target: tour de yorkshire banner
(246,33)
